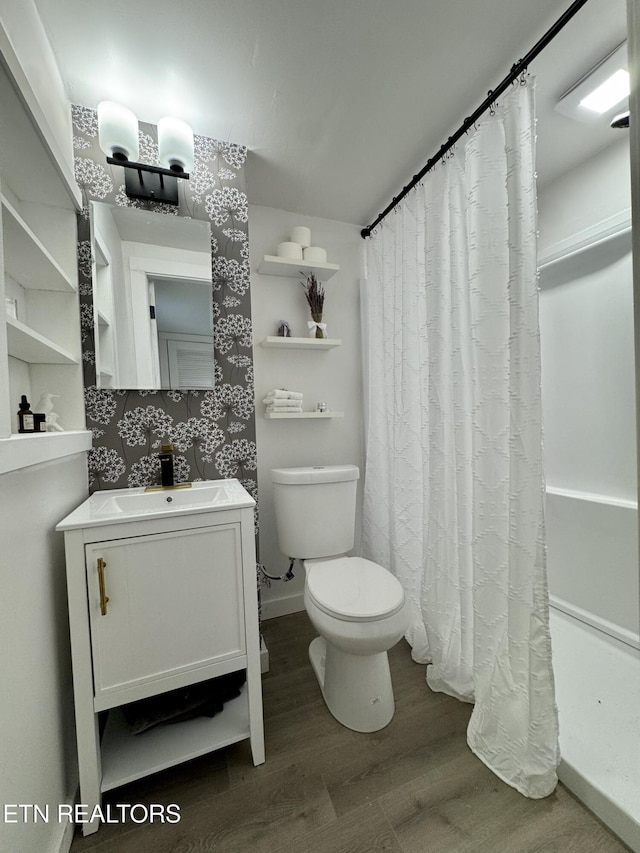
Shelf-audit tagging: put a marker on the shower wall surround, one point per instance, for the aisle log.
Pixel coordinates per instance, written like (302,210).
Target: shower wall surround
(213,432)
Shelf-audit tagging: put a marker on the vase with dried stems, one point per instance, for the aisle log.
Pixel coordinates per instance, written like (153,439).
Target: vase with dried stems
(314,293)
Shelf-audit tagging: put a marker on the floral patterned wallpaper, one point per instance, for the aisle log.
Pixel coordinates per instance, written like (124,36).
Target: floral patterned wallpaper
(213,432)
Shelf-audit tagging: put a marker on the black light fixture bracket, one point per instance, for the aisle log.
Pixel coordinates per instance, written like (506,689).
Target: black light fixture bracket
(150,183)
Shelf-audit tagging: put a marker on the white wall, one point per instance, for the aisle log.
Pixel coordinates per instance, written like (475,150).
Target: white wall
(333,376)
(595,190)
(588,372)
(588,379)
(37,740)
(587,333)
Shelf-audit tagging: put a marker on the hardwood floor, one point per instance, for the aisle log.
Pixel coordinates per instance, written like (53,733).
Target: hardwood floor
(414,787)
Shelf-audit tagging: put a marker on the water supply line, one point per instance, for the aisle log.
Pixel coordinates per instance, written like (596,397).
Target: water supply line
(287,576)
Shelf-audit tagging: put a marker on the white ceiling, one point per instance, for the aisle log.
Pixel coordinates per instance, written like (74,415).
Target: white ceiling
(340,102)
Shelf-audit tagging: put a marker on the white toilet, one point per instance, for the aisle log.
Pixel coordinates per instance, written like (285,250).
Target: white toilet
(357,606)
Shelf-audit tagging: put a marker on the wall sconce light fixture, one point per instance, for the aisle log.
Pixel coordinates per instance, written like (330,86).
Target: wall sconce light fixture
(118,138)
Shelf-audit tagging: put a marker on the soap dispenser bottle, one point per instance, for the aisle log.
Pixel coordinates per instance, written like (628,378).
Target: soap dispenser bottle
(166,465)
(26,420)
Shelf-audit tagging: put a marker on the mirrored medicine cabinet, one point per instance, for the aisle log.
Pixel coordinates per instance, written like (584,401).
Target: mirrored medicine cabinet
(152,294)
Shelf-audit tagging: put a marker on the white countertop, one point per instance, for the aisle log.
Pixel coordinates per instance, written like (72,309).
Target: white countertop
(134,505)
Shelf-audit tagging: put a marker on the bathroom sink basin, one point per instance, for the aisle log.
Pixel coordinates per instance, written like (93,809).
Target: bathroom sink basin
(136,504)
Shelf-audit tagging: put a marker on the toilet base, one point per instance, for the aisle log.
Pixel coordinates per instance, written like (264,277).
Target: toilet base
(357,689)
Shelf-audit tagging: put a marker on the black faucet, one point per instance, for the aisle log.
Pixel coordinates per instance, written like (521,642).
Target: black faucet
(166,465)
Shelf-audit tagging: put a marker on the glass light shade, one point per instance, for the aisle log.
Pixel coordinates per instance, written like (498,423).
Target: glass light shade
(117,131)
(175,144)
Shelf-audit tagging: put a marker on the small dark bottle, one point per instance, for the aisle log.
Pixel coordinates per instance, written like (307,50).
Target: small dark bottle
(166,465)
(26,422)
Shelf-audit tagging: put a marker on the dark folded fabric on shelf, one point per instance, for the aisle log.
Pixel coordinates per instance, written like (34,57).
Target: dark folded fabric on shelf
(205,699)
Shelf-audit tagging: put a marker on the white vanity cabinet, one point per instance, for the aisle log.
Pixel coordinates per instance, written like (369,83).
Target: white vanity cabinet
(174,605)
(162,594)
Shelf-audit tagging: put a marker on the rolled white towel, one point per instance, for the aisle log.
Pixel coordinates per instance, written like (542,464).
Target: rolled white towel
(279,402)
(282,394)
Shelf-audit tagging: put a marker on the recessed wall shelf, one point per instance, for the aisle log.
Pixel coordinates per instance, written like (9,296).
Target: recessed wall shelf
(19,451)
(280,415)
(41,351)
(292,268)
(300,343)
(26,259)
(30,346)
(594,237)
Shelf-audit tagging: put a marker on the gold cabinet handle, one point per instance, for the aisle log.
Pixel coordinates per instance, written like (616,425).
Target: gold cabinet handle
(103,596)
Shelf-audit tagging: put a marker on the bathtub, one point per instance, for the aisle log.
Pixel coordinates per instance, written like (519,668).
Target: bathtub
(594,619)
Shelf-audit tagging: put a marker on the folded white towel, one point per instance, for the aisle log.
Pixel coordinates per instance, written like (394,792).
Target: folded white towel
(282,394)
(289,409)
(280,402)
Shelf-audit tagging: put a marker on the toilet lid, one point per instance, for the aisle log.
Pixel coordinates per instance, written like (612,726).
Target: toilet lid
(353,588)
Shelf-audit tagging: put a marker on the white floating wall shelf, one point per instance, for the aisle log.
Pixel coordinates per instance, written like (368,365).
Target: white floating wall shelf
(292,268)
(277,341)
(282,415)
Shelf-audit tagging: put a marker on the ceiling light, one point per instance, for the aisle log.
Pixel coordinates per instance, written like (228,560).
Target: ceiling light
(601,92)
(118,138)
(608,94)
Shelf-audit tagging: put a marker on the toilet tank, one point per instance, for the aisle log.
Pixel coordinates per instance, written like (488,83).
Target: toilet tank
(315,509)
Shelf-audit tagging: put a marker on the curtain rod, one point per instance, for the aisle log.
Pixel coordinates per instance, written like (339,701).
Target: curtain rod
(492,96)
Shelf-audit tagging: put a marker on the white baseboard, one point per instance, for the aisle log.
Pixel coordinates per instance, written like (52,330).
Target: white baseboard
(282,606)
(67,837)
(62,842)
(264,656)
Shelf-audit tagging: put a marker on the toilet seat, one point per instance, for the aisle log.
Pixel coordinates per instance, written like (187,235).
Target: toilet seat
(353,589)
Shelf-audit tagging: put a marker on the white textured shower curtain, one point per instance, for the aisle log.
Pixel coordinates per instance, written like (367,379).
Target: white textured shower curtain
(454,485)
